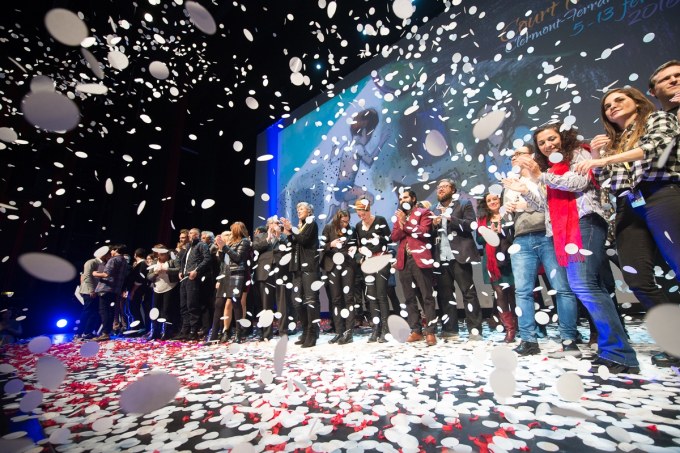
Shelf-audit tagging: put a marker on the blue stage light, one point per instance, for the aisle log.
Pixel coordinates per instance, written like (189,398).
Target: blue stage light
(62,323)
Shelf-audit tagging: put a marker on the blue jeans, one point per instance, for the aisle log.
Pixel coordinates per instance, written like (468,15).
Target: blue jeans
(586,282)
(536,248)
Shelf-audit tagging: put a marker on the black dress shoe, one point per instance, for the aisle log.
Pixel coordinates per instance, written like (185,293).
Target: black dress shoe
(448,334)
(664,360)
(181,336)
(335,339)
(613,367)
(527,348)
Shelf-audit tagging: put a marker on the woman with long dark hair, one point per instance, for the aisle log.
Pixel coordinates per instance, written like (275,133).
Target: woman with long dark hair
(304,264)
(579,234)
(496,267)
(337,263)
(234,251)
(639,156)
(372,236)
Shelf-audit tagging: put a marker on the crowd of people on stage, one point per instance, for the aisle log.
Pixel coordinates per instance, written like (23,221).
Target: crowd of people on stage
(567,210)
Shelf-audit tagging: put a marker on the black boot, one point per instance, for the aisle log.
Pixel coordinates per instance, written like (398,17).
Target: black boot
(347,337)
(312,333)
(166,332)
(384,329)
(335,339)
(212,337)
(301,311)
(374,334)
(239,333)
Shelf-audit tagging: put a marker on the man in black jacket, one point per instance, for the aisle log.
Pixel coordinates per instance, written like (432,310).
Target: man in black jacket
(456,250)
(304,265)
(271,245)
(194,263)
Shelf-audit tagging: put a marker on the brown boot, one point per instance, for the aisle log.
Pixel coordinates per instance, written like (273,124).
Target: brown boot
(510,324)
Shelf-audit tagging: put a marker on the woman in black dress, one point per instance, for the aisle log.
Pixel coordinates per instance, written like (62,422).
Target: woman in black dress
(372,236)
(339,267)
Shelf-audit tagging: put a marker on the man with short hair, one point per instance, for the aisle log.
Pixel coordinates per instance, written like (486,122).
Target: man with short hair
(664,84)
(109,288)
(207,286)
(415,263)
(271,247)
(183,240)
(455,250)
(89,319)
(194,262)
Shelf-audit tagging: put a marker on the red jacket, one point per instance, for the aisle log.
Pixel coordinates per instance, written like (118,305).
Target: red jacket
(417,233)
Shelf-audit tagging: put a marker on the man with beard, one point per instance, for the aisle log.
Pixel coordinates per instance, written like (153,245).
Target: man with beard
(412,231)
(455,249)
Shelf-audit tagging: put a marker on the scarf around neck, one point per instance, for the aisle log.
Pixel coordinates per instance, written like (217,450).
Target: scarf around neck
(490,252)
(564,219)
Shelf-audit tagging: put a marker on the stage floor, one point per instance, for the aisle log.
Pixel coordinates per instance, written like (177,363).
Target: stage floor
(355,397)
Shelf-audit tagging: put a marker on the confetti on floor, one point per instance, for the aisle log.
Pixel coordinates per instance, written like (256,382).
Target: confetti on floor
(354,397)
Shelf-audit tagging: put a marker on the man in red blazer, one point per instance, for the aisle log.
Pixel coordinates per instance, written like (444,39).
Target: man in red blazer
(412,230)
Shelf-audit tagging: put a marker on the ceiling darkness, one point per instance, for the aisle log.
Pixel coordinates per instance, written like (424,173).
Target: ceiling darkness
(164,146)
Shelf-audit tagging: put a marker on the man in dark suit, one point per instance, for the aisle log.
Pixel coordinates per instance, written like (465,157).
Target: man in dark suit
(271,245)
(455,250)
(412,231)
(194,263)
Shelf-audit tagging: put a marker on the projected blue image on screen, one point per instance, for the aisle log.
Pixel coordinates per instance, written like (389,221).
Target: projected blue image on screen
(408,118)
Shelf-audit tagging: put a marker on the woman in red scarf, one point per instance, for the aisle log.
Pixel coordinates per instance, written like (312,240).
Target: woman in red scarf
(496,268)
(579,233)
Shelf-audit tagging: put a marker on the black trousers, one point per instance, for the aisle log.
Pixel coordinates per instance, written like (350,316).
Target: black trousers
(190,304)
(377,295)
(644,231)
(304,297)
(453,271)
(106,301)
(423,280)
(89,318)
(138,306)
(168,305)
(207,300)
(341,286)
(271,296)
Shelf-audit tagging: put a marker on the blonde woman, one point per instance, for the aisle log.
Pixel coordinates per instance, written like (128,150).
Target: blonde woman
(304,265)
